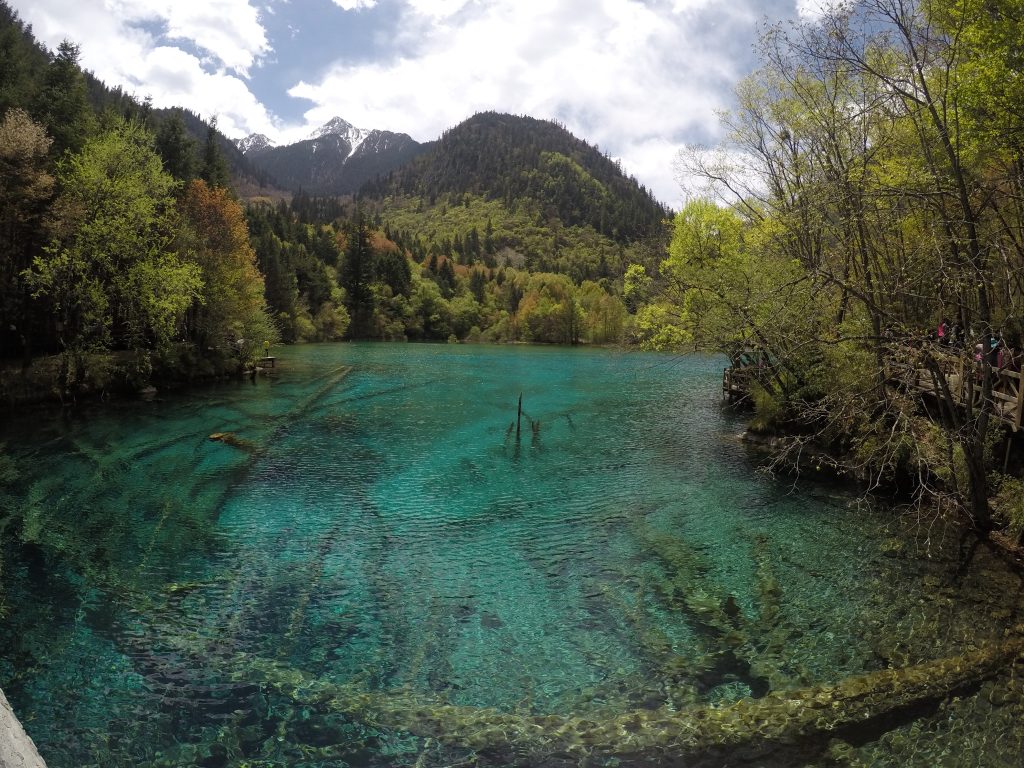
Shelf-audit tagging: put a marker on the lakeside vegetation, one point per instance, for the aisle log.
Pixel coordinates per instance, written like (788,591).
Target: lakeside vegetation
(870,189)
(872,179)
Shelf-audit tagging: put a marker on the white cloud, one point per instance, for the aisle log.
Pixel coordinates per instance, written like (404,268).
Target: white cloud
(437,9)
(812,10)
(354,5)
(637,77)
(634,77)
(118,50)
(229,31)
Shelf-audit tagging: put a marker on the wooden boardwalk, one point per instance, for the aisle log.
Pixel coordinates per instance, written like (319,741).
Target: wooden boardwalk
(736,382)
(963,378)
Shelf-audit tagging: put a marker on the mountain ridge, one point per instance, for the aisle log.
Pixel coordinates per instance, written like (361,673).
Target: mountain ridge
(335,159)
(500,156)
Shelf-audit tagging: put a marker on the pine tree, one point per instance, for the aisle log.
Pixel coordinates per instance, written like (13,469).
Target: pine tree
(22,61)
(176,148)
(62,105)
(356,274)
(26,189)
(214,170)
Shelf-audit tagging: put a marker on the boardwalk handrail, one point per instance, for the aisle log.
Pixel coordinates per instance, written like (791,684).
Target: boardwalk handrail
(736,381)
(963,380)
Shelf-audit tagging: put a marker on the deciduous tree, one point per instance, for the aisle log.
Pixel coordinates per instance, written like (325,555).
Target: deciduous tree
(112,275)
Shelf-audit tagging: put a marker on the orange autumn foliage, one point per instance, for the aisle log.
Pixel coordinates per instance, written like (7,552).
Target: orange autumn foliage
(234,305)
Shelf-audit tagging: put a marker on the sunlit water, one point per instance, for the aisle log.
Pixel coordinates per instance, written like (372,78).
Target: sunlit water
(378,528)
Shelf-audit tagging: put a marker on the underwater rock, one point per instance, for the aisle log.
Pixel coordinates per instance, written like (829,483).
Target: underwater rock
(892,548)
(489,620)
(727,693)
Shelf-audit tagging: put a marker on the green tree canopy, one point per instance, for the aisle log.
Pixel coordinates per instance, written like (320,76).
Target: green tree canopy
(112,275)
(62,104)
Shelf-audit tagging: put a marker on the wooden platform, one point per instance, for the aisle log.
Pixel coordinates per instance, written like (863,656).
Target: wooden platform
(963,379)
(736,383)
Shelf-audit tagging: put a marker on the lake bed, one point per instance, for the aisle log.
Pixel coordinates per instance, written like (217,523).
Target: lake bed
(377,542)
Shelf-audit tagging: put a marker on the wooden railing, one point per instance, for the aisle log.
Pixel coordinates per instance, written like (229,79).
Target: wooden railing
(736,382)
(963,377)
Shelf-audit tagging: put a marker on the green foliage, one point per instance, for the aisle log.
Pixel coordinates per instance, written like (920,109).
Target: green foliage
(22,61)
(1008,505)
(111,275)
(62,104)
(357,276)
(176,148)
(213,168)
(602,315)
(704,235)
(26,191)
(719,290)
(231,313)
(663,326)
(636,286)
(768,410)
(519,160)
(870,163)
(300,263)
(549,310)
(8,469)
(396,286)
(520,236)
(331,322)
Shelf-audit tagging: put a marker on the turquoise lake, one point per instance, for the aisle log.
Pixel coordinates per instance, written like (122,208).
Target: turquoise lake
(371,545)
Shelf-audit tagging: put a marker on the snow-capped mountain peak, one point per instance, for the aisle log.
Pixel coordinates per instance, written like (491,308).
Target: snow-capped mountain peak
(254,142)
(343,129)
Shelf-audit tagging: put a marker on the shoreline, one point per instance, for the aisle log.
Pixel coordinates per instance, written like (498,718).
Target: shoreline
(17,750)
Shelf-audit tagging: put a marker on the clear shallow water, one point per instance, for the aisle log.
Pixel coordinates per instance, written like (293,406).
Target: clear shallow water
(377,530)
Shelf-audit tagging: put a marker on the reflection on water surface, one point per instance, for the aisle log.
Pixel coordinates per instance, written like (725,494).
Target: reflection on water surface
(374,572)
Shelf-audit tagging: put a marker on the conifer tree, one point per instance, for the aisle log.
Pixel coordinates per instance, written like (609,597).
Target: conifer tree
(356,275)
(214,168)
(176,148)
(26,190)
(62,105)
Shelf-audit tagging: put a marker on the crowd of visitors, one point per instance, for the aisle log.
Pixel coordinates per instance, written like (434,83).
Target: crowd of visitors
(1000,349)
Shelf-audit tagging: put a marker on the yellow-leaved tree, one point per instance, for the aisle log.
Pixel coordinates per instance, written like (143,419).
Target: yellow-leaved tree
(231,314)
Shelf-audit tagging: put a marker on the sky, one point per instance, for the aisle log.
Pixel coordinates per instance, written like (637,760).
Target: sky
(641,79)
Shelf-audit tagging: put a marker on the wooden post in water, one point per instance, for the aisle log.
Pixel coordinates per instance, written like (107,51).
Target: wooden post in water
(519,416)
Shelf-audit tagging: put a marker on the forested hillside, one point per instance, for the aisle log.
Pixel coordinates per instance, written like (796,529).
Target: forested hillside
(512,158)
(525,229)
(507,229)
(122,252)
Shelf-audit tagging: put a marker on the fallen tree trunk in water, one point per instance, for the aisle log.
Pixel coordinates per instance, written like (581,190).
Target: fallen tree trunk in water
(749,727)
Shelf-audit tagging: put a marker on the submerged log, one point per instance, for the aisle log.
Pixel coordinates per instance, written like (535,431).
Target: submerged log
(749,727)
(230,438)
(332,380)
